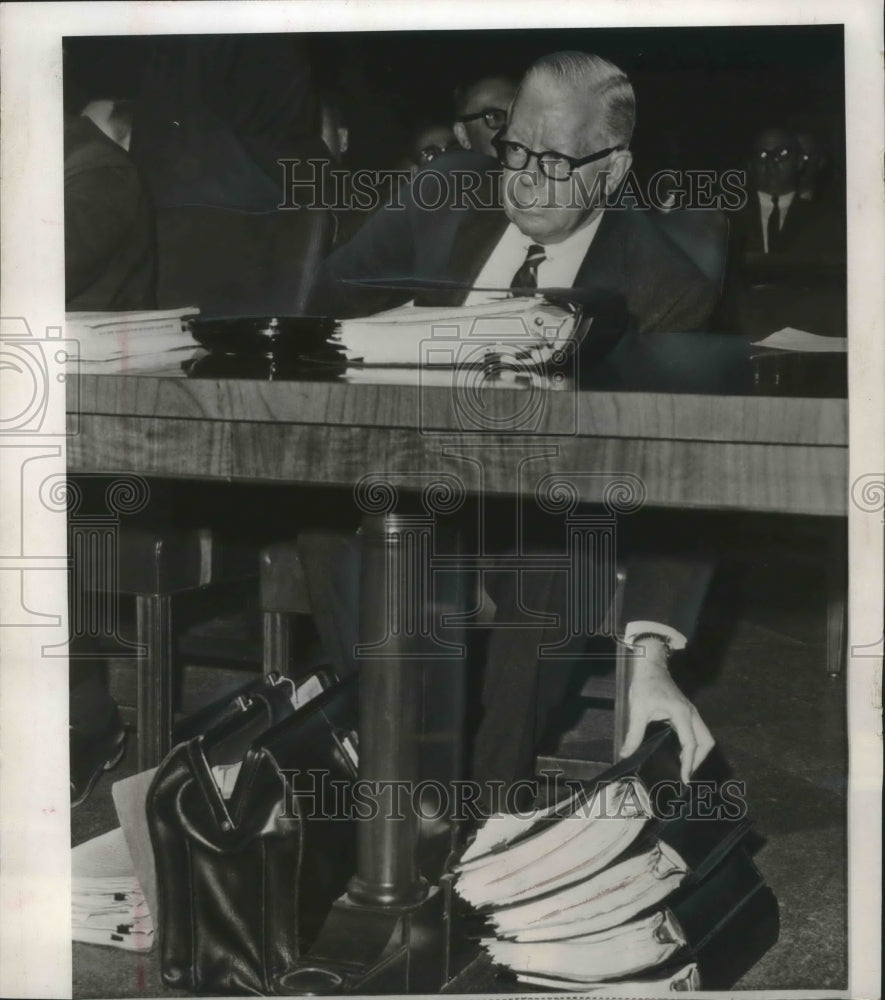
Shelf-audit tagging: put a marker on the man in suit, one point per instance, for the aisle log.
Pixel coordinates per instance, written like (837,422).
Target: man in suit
(109,234)
(543,221)
(787,253)
(578,112)
(776,219)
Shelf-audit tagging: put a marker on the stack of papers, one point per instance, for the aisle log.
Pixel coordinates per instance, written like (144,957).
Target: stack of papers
(791,339)
(526,330)
(685,979)
(592,958)
(140,339)
(108,906)
(576,847)
(570,899)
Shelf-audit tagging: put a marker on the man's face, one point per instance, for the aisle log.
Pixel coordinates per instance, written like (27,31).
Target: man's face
(548,211)
(776,162)
(485,95)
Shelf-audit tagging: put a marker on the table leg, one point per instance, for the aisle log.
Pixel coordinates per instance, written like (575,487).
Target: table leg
(387,933)
(391,617)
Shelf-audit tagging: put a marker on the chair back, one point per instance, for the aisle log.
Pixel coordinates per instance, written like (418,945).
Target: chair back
(235,263)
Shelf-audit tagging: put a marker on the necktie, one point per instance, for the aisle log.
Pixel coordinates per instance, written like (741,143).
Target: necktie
(774,225)
(526,278)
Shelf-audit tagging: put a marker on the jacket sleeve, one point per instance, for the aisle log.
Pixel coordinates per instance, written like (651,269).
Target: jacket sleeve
(667,589)
(101,210)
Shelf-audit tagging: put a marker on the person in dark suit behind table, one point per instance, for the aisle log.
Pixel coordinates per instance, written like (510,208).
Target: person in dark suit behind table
(572,119)
(109,234)
(787,253)
(109,265)
(776,219)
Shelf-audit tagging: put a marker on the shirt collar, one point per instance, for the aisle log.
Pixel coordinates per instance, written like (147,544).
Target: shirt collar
(578,242)
(783,200)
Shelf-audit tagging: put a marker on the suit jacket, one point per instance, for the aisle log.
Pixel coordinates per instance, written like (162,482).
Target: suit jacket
(109,227)
(801,284)
(810,230)
(630,260)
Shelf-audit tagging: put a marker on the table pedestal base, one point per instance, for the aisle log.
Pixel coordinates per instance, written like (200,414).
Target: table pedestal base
(364,949)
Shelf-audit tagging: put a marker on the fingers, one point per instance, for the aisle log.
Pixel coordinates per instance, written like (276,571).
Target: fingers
(705,740)
(680,720)
(695,746)
(695,739)
(635,732)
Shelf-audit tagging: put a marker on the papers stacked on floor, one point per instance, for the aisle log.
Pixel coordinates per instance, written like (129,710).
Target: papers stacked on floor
(108,906)
(571,896)
(580,844)
(524,330)
(125,340)
(684,979)
(592,958)
(596,904)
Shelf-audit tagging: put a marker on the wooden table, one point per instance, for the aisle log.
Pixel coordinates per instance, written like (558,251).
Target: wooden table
(787,455)
(715,452)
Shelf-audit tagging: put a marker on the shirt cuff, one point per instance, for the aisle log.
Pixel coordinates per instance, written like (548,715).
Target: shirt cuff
(674,637)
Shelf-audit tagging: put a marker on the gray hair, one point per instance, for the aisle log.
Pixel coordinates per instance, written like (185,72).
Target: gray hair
(600,81)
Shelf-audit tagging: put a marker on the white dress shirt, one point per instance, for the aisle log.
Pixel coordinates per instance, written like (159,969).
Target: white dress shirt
(557,271)
(766,207)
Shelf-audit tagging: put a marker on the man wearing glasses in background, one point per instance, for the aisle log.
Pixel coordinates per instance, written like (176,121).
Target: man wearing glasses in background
(481,112)
(570,123)
(787,254)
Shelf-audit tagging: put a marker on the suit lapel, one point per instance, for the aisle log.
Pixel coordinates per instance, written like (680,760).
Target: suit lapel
(602,266)
(473,241)
(792,220)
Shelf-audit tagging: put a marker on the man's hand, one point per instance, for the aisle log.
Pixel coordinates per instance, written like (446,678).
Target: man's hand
(653,696)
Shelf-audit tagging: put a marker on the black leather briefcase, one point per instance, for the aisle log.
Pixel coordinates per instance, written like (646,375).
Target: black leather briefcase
(277,697)
(245,882)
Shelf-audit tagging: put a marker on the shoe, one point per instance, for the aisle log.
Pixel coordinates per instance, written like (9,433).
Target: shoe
(93,753)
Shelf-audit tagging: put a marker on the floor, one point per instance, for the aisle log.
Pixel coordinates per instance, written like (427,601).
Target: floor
(760,683)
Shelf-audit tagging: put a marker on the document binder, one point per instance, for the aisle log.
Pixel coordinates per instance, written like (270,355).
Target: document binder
(574,900)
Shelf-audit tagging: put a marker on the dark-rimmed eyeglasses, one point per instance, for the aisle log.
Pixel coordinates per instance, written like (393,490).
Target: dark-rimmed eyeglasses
(556,166)
(494,118)
(427,154)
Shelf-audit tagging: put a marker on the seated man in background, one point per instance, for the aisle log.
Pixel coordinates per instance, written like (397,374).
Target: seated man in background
(570,124)
(481,112)
(787,254)
(109,266)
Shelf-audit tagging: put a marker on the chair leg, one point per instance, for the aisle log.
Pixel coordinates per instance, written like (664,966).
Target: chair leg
(837,601)
(153,615)
(278,642)
(623,668)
